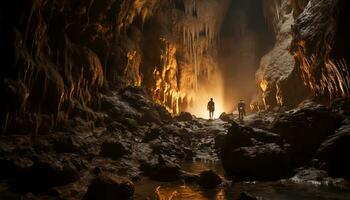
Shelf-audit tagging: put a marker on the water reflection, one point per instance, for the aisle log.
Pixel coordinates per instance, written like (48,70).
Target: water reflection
(148,189)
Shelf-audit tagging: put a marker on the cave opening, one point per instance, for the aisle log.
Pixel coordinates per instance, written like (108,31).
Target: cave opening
(245,36)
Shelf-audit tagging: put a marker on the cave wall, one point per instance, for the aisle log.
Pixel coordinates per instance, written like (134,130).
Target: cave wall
(319,46)
(315,33)
(278,79)
(58,56)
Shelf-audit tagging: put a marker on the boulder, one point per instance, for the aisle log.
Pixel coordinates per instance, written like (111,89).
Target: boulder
(333,153)
(316,176)
(220,140)
(305,128)
(185,117)
(152,134)
(44,174)
(114,149)
(227,117)
(252,154)
(11,166)
(65,144)
(150,116)
(108,187)
(263,162)
(209,179)
(246,196)
(169,149)
(162,170)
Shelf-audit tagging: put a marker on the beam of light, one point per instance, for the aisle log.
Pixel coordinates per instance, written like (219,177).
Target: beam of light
(211,88)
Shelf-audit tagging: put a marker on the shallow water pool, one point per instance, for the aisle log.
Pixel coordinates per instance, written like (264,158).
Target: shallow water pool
(148,189)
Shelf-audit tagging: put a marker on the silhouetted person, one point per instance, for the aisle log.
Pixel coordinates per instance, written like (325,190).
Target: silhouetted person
(211,108)
(241,110)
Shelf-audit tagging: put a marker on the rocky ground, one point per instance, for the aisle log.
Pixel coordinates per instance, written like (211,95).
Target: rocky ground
(129,138)
(132,138)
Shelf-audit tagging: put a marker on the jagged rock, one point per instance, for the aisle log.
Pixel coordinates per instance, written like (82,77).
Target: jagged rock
(318,176)
(279,80)
(246,196)
(114,149)
(320,47)
(65,144)
(150,116)
(257,162)
(188,153)
(252,154)
(220,140)
(209,179)
(305,128)
(185,117)
(227,117)
(189,177)
(107,187)
(152,134)
(333,153)
(44,174)
(161,170)
(167,149)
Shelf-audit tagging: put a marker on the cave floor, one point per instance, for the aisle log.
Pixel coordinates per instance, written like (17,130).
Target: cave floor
(154,151)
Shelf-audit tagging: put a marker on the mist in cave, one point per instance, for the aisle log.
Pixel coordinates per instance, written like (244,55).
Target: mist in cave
(245,37)
(108,99)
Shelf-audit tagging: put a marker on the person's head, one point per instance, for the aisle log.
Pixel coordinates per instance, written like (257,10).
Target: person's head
(211,99)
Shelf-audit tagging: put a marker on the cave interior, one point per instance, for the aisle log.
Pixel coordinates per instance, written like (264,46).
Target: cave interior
(108,99)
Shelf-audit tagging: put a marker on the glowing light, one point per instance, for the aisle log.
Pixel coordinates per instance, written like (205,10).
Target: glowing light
(212,88)
(263,85)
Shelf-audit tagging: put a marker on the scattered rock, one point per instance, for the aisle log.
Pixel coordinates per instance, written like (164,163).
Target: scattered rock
(220,140)
(318,177)
(152,134)
(150,116)
(65,144)
(209,179)
(333,153)
(162,170)
(107,187)
(246,196)
(189,177)
(114,149)
(45,174)
(185,117)
(227,117)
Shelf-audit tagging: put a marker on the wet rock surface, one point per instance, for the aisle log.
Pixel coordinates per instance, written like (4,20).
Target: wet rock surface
(246,196)
(310,135)
(107,187)
(209,179)
(250,154)
(333,152)
(305,128)
(162,170)
(76,161)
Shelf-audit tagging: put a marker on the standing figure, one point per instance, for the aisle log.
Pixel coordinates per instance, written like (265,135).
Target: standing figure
(241,110)
(211,108)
